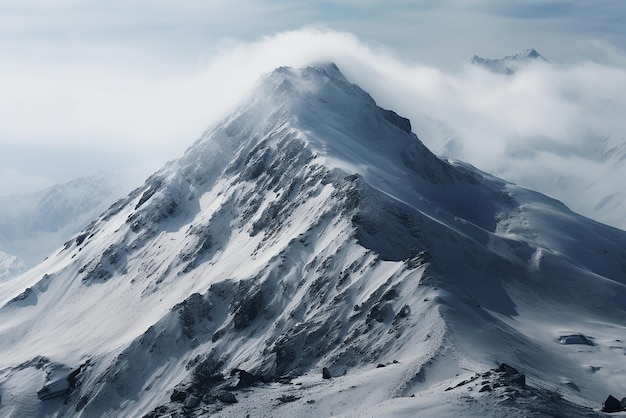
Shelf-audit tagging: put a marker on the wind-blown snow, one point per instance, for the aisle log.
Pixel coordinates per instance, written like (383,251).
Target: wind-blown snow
(309,229)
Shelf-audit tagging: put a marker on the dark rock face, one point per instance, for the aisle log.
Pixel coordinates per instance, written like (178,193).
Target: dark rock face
(246,379)
(611,405)
(326,373)
(178,396)
(397,120)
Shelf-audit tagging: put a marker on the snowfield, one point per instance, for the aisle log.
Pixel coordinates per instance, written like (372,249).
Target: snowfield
(310,233)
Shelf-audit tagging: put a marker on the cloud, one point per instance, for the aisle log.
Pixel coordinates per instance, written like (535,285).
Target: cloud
(124,107)
(14,182)
(555,128)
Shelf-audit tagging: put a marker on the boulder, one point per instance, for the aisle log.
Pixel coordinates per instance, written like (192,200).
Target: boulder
(246,379)
(192,401)
(226,397)
(611,405)
(326,373)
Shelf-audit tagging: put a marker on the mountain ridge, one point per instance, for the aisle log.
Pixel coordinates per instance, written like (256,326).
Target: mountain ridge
(509,64)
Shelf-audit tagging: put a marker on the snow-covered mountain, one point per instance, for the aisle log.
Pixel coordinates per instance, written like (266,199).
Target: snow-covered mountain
(10,266)
(510,64)
(33,225)
(311,234)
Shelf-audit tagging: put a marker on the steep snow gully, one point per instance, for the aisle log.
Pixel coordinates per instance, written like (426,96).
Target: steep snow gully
(312,230)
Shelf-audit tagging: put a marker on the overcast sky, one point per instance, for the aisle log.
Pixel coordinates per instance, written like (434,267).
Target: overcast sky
(91,85)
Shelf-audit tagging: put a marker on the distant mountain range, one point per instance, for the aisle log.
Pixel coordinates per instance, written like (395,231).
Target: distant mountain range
(509,64)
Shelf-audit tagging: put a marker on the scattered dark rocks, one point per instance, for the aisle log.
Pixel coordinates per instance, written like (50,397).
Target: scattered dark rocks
(288,398)
(380,312)
(326,373)
(504,376)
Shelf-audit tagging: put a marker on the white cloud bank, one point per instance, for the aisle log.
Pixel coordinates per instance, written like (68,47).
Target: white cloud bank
(549,127)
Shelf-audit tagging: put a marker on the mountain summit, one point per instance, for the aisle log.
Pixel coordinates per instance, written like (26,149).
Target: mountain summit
(509,64)
(309,256)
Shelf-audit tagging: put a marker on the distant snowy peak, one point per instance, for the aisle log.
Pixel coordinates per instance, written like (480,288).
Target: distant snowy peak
(509,64)
(10,266)
(32,225)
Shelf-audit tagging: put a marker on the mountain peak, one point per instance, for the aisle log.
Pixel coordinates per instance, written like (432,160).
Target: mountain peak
(509,64)
(329,68)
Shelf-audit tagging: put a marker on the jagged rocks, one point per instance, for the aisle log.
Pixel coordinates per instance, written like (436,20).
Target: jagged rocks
(380,312)
(504,376)
(112,260)
(511,376)
(247,308)
(57,388)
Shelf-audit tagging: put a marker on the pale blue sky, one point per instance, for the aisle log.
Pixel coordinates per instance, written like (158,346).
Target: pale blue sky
(86,85)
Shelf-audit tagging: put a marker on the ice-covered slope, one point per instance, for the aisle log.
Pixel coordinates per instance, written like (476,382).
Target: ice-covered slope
(33,225)
(509,64)
(312,229)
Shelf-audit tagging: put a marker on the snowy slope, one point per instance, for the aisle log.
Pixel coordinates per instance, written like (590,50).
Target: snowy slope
(509,64)
(312,229)
(33,225)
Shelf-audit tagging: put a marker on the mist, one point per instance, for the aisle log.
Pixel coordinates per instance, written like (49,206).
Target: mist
(550,127)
